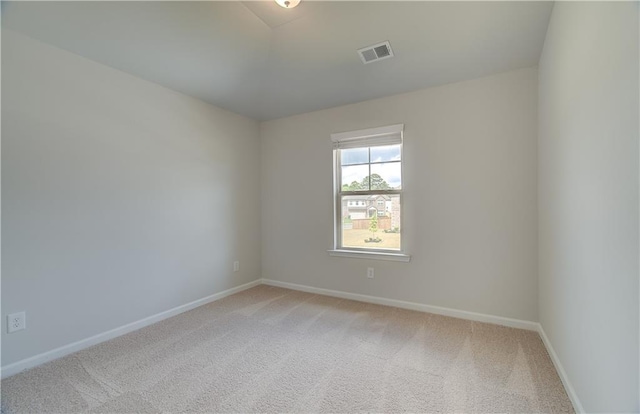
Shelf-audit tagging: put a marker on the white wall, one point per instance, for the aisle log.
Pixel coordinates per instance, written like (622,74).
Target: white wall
(121,198)
(470,216)
(588,199)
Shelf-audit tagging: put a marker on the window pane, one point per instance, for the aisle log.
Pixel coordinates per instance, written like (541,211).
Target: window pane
(354,156)
(386,176)
(353,177)
(371,221)
(385,153)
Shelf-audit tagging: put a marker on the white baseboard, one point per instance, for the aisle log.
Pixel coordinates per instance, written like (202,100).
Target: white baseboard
(39,359)
(577,405)
(473,316)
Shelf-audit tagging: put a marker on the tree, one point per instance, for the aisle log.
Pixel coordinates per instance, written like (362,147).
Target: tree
(373,224)
(354,186)
(377,183)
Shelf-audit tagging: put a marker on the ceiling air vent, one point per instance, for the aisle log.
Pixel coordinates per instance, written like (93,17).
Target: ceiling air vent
(376,52)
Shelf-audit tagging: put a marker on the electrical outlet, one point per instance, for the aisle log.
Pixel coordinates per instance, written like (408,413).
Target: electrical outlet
(236,266)
(370,272)
(16,322)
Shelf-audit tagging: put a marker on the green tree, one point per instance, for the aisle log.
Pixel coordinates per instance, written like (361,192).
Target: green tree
(377,183)
(373,224)
(354,186)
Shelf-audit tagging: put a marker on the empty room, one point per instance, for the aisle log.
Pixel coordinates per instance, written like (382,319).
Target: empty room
(298,206)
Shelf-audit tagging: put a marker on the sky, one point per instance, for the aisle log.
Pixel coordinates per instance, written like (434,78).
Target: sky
(388,157)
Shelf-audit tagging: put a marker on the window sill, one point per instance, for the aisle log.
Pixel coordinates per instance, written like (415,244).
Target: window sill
(394,257)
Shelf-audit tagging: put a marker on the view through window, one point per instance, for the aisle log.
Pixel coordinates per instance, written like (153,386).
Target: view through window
(369,197)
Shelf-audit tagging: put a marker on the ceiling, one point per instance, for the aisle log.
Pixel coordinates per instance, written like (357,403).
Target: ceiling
(266,62)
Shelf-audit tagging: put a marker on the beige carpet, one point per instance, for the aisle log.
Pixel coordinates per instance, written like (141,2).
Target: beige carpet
(275,350)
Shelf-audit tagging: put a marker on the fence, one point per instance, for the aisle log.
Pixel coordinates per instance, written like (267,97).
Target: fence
(384,223)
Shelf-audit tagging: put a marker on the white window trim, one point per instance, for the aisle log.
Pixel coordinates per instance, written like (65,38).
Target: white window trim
(357,254)
(387,135)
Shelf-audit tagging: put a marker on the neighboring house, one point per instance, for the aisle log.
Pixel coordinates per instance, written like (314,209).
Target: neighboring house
(395,213)
(364,206)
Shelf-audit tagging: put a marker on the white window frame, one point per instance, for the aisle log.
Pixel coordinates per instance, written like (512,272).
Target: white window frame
(387,135)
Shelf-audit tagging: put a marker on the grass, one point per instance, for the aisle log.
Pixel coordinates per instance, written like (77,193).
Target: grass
(355,238)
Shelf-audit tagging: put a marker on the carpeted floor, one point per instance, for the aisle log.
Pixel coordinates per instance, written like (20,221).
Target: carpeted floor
(276,350)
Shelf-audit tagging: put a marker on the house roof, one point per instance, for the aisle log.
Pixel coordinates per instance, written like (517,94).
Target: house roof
(366,197)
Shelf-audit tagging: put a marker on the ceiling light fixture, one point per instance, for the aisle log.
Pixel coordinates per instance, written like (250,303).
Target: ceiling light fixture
(288,4)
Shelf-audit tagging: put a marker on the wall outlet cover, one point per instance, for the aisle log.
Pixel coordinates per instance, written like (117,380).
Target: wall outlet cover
(16,322)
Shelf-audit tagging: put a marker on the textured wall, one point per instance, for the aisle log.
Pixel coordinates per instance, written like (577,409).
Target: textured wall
(121,198)
(470,211)
(588,178)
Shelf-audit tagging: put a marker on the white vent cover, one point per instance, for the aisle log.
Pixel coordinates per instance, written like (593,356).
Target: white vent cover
(375,52)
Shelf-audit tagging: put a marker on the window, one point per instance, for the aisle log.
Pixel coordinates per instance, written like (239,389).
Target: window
(368,170)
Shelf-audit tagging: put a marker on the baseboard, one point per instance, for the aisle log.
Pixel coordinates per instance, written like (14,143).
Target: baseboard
(473,316)
(39,359)
(577,406)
